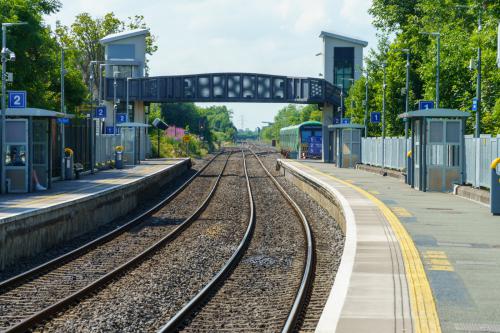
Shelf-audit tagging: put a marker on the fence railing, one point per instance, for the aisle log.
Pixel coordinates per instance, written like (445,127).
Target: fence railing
(394,152)
(105,147)
(479,153)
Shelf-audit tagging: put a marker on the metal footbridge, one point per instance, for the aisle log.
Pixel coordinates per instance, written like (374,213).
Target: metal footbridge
(224,87)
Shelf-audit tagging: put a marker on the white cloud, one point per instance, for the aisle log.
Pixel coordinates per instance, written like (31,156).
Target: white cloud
(262,36)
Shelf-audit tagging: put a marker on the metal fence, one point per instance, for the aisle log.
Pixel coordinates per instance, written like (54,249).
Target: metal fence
(479,153)
(394,152)
(105,147)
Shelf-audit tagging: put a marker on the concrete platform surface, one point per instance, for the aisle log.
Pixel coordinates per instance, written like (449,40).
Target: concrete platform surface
(33,223)
(67,192)
(458,242)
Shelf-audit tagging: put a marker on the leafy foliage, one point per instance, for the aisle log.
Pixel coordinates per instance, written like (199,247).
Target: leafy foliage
(290,115)
(37,65)
(83,36)
(404,21)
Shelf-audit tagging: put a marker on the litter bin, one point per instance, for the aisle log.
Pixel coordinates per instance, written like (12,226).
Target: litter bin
(495,188)
(68,164)
(119,157)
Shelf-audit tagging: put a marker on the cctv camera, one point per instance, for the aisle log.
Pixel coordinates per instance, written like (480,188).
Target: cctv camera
(12,56)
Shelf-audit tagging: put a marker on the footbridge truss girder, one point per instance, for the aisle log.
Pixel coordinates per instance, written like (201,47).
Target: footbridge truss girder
(224,87)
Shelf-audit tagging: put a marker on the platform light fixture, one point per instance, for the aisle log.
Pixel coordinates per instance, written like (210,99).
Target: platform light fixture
(6,55)
(438,41)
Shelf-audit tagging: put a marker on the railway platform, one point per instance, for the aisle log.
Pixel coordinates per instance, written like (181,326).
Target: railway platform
(31,223)
(413,261)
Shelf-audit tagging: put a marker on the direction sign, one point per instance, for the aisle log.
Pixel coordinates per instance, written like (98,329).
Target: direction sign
(425,105)
(64,121)
(109,130)
(346,120)
(100,112)
(185,138)
(121,118)
(17,99)
(474,104)
(375,117)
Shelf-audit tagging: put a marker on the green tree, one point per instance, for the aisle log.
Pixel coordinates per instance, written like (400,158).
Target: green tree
(404,20)
(36,68)
(288,116)
(85,33)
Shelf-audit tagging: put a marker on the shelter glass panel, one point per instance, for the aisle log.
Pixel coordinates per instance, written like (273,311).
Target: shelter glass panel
(436,131)
(453,131)
(453,156)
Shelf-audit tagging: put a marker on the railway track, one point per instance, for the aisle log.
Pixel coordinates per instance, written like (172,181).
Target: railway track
(245,263)
(154,290)
(35,295)
(267,287)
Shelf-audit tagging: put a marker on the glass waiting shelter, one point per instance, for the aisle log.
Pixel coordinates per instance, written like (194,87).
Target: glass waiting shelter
(28,149)
(132,134)
(346,139)
(437,149)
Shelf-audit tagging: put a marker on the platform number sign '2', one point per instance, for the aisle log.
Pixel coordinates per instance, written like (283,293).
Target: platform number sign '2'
(17,99)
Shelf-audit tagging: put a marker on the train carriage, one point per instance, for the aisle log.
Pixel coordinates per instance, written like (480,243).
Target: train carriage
(302,140)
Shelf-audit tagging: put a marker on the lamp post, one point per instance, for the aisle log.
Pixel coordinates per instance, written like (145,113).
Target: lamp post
(92,131)
(438,39)
(5,52)
(407,98)
(100,84)
(384,65)
(477,129)
(128,79)
(341,86)
(63,110)
(366,105)
(115,74)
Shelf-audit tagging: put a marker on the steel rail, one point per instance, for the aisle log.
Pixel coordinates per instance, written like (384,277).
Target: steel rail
(46,313)
(230,264)
(306,281)
(14,281)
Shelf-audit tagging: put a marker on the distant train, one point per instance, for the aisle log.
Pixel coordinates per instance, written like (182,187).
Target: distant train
(302,141)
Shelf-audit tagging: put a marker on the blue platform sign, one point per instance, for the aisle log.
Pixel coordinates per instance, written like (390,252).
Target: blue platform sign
(474,104)
(64,121)
(109,130)
(346,120)
(375,117)
(425,105)
(336,120)
(121,118)
(100,112)
(17,99)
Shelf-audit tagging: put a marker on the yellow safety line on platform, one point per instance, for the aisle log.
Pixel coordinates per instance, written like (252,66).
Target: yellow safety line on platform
(423,306)
(110,181)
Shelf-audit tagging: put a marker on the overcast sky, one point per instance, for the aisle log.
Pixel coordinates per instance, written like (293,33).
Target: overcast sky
(260,36)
